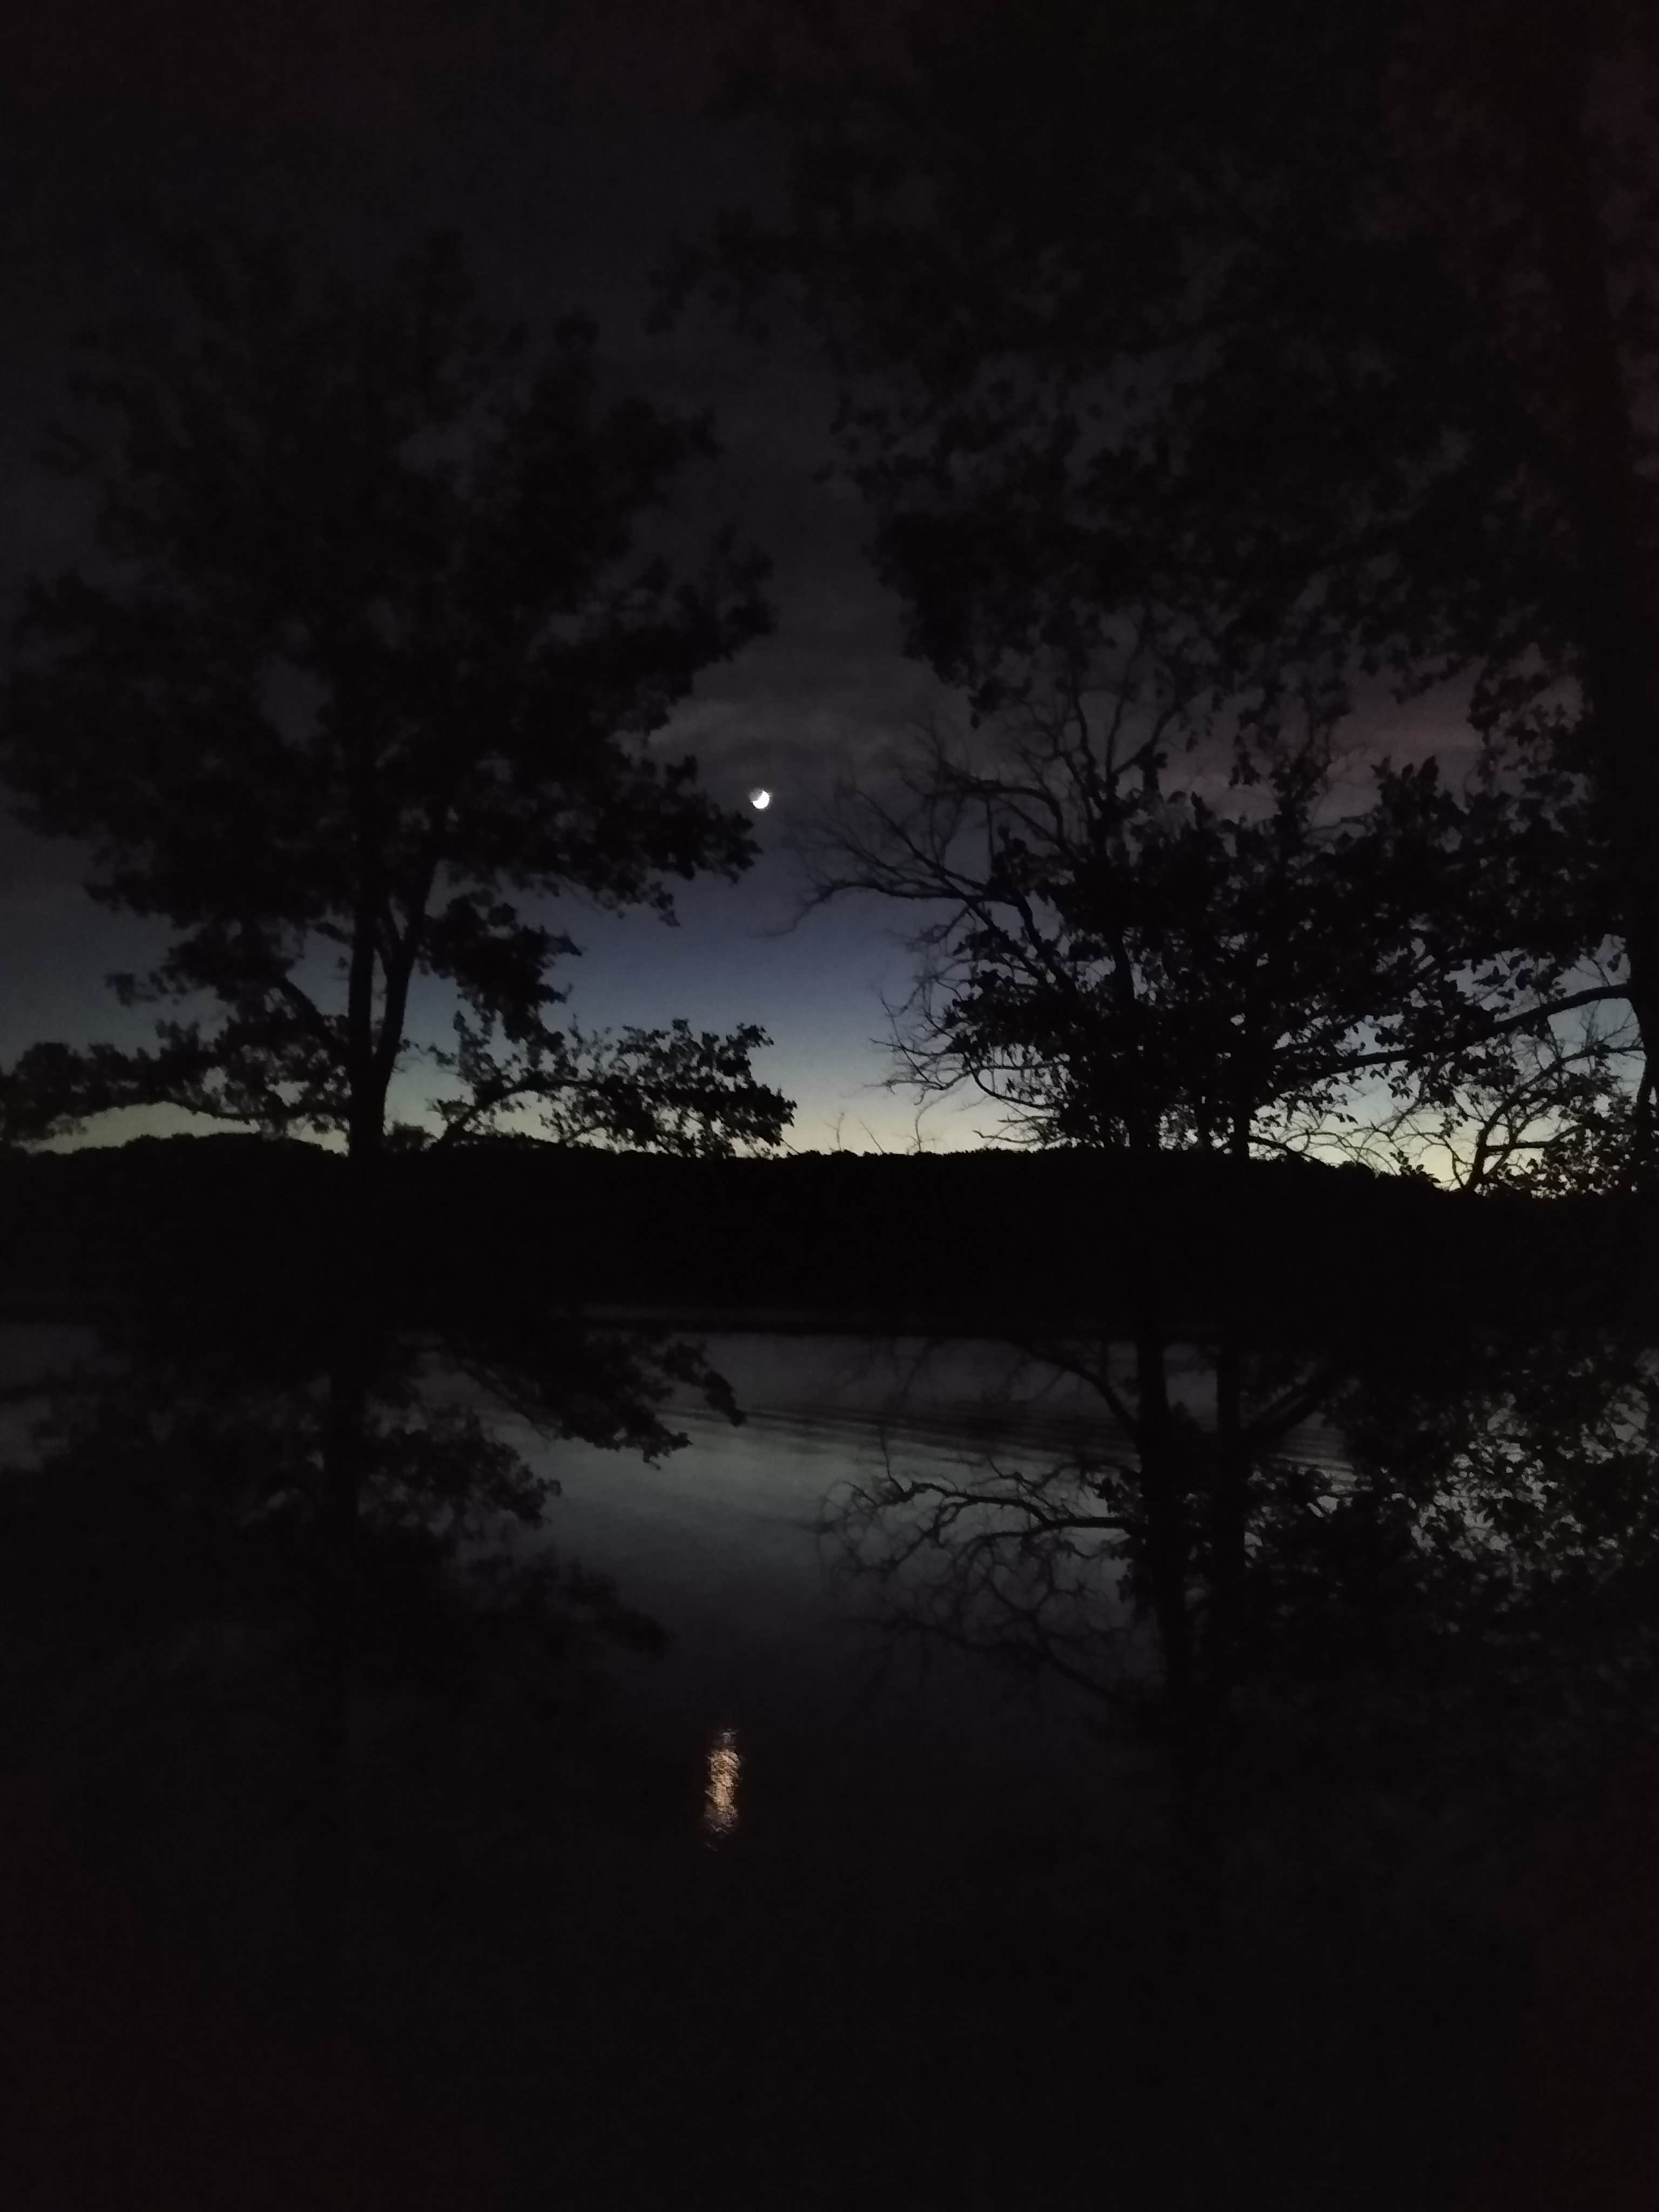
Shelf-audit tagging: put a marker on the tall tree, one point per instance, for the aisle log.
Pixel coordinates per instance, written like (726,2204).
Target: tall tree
(1162,325)
(364,680)
(1330,329)
(373,659)
(1121,961)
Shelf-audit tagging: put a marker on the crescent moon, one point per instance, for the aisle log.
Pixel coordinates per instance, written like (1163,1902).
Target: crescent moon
(760,800)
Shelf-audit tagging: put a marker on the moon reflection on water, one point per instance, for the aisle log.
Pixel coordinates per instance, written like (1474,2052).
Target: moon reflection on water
(720,1800)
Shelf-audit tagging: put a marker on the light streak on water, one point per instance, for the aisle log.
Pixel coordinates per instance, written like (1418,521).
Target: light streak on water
(720,1800)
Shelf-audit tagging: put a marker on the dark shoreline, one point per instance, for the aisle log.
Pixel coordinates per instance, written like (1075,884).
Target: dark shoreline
(992,1242)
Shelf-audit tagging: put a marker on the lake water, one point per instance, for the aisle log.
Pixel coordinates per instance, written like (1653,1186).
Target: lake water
(776,1686)
(775,1668)
(907,1960)
(883,1937)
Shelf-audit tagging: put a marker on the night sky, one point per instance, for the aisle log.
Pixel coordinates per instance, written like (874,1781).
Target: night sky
(567,146)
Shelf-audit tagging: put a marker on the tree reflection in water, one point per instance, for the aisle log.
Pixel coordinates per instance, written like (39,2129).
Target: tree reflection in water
(161,1559)
(1457,1597)
(1466,1547)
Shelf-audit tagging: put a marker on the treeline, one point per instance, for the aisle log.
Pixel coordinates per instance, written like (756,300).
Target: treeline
(973,1241)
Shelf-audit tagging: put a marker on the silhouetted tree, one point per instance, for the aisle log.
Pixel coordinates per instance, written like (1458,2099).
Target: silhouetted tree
(1116,964)
(1121,966)
(1487,1564)
(1329,332)
(1170,330)
(375,655)
(1447,1598)
(1549,1111)
(364,679)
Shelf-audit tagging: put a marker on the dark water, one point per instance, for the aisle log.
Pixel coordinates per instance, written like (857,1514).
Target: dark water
(901,1941)
(774,1669)
(839,1926)
(776,1687)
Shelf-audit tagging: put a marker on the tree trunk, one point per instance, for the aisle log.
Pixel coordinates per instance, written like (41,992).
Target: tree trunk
(1229,1520)
(1163,1502)
(1618,612)
(1229,1493)
(356,1324)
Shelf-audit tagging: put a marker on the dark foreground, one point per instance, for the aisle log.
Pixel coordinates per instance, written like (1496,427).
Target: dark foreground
(916,1940)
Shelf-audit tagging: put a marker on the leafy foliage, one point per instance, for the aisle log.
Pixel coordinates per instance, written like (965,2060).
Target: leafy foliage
(371,660)
(364,680)
(1319,333)
(1116,964)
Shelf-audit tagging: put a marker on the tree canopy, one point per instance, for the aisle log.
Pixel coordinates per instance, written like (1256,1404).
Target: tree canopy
(1326,331)
(364,680)
(1119,948)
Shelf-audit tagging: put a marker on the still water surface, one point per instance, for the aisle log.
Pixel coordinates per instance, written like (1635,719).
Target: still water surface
(776,1689)
(882,1938)
(775,1669)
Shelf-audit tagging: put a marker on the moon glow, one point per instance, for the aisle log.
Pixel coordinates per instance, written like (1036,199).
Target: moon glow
(760,800)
